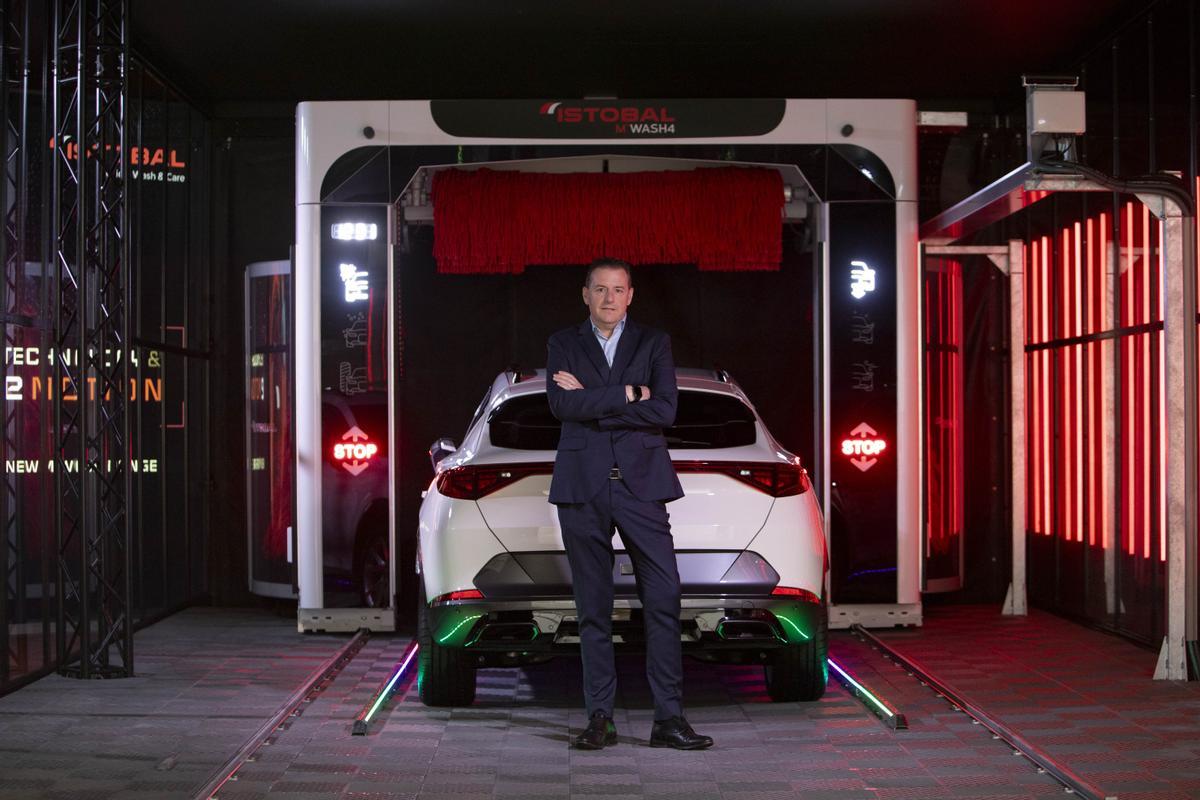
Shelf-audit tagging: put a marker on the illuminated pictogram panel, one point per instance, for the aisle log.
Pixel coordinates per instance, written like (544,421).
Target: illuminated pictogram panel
(863,447)
(356,283)
(862,279)
(862,368)
(355,451)
(354,356)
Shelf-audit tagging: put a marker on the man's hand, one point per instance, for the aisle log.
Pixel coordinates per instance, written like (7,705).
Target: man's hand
(629,393)
(566,380)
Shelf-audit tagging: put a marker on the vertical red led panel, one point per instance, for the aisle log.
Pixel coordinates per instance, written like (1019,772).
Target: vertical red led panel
(1070,281)
(1142,392)
(943,425)
(1066,285)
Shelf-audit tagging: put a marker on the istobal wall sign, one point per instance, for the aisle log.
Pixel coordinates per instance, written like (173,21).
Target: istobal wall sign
(862,402)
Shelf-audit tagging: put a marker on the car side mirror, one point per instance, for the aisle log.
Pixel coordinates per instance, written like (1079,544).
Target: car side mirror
(440,449)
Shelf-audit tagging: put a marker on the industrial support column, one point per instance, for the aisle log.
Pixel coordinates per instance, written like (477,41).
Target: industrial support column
(1179,381)
(1017,603)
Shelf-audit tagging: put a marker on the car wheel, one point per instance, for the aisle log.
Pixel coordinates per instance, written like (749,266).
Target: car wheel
(445,675)
(799,672)
(371,571)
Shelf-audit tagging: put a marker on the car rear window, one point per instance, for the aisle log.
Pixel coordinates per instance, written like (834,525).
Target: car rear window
(703,420)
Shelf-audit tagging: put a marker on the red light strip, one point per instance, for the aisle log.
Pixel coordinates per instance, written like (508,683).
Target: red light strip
(1145,382)
(947,404)
(1092,454)
(1162,400)
(1078,425)
(1102,322)
(1044,323)
(930,475)
(1130,385)
(1063,385)
(1035,333)
(1070,392)
(940,496)
(1032,394)
(956,386)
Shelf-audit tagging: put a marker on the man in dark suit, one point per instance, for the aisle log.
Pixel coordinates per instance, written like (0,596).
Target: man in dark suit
(612,384)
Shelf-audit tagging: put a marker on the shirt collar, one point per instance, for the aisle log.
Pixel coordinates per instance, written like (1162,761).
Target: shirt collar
(620,326)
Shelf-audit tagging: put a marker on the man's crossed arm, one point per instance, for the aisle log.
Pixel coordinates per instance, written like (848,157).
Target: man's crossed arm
(611,406)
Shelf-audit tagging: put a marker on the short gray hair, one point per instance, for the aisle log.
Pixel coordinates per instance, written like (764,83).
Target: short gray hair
(607,263)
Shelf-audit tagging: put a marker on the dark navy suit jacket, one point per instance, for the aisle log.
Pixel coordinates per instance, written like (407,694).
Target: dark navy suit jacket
(599,427)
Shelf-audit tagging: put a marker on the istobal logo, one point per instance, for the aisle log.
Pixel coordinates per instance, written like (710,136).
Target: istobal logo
(632,120)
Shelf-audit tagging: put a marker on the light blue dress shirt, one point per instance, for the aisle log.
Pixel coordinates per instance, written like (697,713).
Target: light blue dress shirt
(609,345)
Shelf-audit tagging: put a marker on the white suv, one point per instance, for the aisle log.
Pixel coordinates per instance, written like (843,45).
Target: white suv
(749,541)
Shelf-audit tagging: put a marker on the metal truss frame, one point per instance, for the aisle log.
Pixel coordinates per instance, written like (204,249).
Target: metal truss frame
(91,338)
(14,205)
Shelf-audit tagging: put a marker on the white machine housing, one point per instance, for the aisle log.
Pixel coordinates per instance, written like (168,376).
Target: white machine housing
(325,131)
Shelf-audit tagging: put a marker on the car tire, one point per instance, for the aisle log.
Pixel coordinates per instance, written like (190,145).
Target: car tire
(372,554)
(445,675)
(799,672)
(370,572)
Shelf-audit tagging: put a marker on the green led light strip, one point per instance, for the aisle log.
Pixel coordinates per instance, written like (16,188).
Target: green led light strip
(861,689)
(387,690)
(461,622)
(794,626)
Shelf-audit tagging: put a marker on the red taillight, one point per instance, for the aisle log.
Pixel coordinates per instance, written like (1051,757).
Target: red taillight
(803,595)
(461,594)
(777,480)
(474,482)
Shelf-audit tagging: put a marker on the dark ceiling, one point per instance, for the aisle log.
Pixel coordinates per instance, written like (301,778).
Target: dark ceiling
(223,51)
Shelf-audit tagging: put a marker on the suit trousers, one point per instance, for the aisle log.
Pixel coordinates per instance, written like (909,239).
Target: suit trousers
(645,530)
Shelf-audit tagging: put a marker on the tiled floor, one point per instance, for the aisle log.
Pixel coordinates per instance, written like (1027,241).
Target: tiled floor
(513,743)
(1085,697)
(206,680)
(209,678)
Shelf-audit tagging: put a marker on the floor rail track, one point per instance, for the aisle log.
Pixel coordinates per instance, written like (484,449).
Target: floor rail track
(1021,746)
(318,680)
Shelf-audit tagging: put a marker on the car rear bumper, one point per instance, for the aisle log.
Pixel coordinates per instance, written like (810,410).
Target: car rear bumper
(732,629)
(547,574)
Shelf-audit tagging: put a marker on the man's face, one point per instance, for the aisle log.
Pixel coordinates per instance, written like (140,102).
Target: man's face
(608,294)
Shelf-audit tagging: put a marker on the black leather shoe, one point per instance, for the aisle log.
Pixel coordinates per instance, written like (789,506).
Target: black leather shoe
(676,732)
(600,733)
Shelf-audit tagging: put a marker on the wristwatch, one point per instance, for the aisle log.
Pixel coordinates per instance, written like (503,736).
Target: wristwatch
(637,393)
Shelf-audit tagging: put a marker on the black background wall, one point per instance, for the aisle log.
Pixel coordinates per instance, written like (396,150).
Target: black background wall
(254,168)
